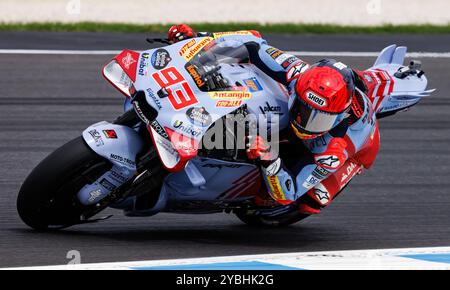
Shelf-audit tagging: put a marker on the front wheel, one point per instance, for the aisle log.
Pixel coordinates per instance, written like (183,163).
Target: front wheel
(47,198)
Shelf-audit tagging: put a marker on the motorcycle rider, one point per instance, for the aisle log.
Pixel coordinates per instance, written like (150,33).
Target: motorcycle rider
(330,117)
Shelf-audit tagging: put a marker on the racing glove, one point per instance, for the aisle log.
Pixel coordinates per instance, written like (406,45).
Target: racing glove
(180,32)
(260,150)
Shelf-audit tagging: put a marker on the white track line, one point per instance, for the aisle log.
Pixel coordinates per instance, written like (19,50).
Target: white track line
(300,53)
(350,259)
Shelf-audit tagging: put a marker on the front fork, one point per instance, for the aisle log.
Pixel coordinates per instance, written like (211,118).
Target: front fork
(118,144)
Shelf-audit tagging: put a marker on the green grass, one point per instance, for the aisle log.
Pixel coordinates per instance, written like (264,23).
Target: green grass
(215,27)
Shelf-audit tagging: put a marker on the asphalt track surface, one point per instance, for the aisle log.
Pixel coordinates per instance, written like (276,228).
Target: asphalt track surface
(46,100)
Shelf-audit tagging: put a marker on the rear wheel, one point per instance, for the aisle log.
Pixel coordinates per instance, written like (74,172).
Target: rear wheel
(277,221)
(47,198)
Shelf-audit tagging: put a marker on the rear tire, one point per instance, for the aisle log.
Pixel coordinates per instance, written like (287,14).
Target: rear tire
(47,198)
(277,221)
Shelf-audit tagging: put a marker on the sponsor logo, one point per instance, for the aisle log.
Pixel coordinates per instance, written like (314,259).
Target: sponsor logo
(316,175)
(313,180)
(97,138)
(316,99)
(329,161)
(187,46)
(346,176)
(228,103)
(117,177)
(110,134)
(273,168)
(108,185)
(189,130)
(295,71)
(274,52)
(93,195)
(322,195)
(289,61)
(143,64)
(271,50)
(151,94)
(128,60)
(274,184)
(192,70)
(232,33)
(160,58)
(320,171)
(270,109)
(230,95)
(139,112)
(159,129)
(339,65)
(253,85)
(199,116)
(194,49)
(122,160)
(282,58)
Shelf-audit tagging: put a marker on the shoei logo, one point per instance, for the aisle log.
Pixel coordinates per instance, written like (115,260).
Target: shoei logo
(315,99)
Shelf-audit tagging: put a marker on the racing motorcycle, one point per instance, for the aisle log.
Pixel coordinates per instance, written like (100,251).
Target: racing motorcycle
(150,159)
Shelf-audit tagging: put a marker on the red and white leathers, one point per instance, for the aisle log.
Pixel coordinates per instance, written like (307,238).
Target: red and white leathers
(324,164)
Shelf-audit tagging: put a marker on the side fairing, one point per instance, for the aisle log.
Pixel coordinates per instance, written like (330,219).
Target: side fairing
(185,112)
(225,181)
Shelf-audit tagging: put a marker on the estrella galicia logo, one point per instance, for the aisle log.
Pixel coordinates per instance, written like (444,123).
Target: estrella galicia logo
(160,58)
(143,64)
(199,116)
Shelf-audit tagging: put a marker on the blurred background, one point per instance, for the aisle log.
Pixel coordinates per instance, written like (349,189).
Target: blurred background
(344,12)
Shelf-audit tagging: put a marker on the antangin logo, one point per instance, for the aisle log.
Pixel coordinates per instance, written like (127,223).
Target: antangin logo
(230,95)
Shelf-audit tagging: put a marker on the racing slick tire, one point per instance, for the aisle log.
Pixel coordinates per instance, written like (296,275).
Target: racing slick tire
(47,199)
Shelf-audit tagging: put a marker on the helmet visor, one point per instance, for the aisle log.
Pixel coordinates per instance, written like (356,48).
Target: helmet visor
(311,121)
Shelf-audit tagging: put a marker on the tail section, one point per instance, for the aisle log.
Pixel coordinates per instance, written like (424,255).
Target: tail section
(393,87)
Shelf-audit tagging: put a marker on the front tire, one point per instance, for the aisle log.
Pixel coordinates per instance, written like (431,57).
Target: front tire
(47,198)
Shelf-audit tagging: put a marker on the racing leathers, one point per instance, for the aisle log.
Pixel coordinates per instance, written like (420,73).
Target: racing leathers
(332,159)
